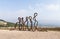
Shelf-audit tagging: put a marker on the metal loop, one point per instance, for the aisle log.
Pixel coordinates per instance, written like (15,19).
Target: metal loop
(26,18)
(35,21)
(30,17)
(19,18)
(35,14)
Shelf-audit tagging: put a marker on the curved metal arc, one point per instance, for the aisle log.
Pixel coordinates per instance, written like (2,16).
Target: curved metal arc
(34,18)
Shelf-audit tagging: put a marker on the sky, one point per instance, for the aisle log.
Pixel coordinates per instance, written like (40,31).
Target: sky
(48,10)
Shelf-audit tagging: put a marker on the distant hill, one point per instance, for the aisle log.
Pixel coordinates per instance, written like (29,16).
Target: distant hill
(2,20)
(4,23)
(10,24)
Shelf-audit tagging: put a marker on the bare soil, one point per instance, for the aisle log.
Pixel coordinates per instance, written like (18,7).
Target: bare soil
(6,34)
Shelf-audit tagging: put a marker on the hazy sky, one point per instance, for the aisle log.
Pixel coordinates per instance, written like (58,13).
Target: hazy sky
(48,10)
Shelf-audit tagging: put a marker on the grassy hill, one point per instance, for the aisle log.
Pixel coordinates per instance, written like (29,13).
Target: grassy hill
(9,24)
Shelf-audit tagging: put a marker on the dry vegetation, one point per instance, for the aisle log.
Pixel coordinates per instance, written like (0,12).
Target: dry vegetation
(33,29)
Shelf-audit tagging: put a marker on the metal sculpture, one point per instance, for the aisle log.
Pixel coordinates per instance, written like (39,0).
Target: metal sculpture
(35,20)
(23,21)
(20,23)
(27,22)
(23,24)
(15,25)
(31,22)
